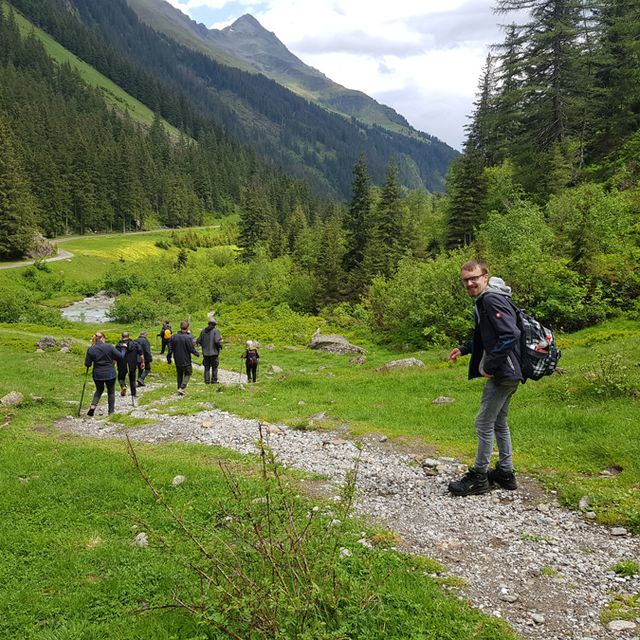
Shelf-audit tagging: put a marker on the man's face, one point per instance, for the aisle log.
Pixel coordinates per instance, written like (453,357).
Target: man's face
(475,282)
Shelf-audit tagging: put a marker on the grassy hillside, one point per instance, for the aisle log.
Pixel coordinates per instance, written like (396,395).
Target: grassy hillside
(114,95)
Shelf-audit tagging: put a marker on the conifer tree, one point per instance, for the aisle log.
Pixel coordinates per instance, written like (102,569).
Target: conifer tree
(17,207)
(328,272)
(358,218)
(389,223)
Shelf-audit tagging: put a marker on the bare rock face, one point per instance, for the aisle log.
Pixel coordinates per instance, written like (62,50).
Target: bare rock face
(333,343)
(405,363)
(41,247)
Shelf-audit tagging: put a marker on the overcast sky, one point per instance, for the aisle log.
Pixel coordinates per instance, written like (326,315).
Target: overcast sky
(421,57)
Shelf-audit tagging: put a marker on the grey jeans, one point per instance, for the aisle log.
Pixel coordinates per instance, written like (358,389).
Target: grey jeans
(492,419)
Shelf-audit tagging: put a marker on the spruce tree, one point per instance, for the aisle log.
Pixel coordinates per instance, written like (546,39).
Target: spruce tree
(17,206)
(357,221)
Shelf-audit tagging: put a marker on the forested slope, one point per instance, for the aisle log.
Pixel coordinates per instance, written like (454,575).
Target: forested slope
(185,86)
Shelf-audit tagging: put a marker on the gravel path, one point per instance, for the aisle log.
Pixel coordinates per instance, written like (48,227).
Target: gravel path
(544,569)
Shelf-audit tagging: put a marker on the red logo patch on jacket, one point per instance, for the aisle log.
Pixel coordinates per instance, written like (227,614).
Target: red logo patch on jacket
(498,314)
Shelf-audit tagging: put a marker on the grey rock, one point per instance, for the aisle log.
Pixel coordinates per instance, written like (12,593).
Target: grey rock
(619,531)
(443,400)
(621,625)
(429,463)
(509,597)
(47,342)
(12,399)
(141,540)
(358,360)
(538,618)
(583,505)
(177,481)
(405,363)
(333,343)
(274,368)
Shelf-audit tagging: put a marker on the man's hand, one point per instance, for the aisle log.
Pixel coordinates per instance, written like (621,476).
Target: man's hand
(455,354)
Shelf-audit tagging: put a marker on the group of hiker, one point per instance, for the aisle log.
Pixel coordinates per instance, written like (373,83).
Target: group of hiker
(129,361)
(495,349)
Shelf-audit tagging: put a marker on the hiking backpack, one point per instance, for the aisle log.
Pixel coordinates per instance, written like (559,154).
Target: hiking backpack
(252,357)
(166,334)
(539,354)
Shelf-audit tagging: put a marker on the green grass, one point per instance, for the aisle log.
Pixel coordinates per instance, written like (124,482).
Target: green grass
(114,95)
(73,506)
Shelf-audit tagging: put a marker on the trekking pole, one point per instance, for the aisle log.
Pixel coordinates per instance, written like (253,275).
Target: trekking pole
(84,386)
(240,372)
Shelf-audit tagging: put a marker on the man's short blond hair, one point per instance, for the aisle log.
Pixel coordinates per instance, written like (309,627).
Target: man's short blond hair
(472,265)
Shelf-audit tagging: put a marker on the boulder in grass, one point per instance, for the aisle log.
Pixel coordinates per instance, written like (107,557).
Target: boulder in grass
(12,399)
(47,342)
(405,363)
(333,343)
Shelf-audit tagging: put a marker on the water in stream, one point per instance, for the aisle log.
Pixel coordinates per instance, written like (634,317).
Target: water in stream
(92,309)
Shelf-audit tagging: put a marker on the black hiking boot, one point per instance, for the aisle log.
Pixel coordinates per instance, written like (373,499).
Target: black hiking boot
(504,479)
(91,411)
(472,483)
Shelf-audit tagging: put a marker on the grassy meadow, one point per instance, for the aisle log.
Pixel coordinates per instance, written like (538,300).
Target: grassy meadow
(73,505)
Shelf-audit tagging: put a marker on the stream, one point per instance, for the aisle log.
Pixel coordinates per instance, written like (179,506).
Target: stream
(92,309)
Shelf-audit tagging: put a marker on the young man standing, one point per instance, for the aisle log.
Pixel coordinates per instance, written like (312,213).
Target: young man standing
(495,354)
(181,349)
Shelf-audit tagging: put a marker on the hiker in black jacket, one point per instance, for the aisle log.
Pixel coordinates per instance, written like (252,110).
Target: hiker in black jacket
(102,356)
(495,355)
(180,350)
(144,367)
(165,335)
(210,340)
(133,357)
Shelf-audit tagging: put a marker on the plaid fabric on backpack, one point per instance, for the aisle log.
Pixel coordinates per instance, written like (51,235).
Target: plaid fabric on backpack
(539,354)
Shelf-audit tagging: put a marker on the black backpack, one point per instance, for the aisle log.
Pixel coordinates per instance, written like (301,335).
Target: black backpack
(539,354)
(252,357)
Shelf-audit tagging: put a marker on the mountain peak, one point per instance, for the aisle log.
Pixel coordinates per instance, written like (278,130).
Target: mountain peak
(247,25)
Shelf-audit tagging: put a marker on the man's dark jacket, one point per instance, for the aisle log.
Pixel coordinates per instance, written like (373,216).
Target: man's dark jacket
(146,348)
(181,348)
(496,338)
(131,351)
(210,340)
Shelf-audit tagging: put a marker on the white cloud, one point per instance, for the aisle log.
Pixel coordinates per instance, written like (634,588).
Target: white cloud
(421,57)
